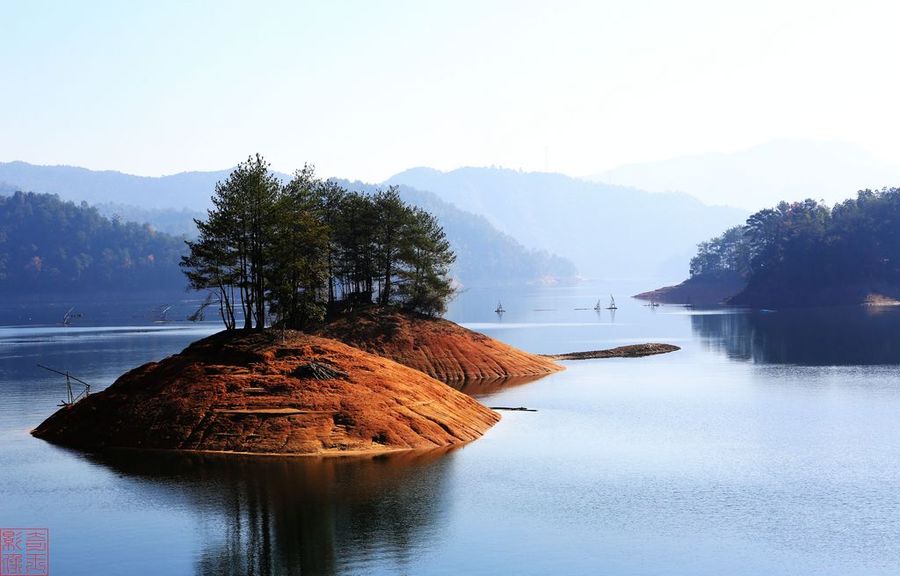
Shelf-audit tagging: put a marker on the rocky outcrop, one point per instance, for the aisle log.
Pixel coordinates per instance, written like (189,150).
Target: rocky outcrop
(271,393)
(437,347)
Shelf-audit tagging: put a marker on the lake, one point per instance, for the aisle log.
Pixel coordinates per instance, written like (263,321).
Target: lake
(767,445)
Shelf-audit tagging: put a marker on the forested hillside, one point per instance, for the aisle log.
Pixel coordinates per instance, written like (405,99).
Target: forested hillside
(51,246)
(805,253)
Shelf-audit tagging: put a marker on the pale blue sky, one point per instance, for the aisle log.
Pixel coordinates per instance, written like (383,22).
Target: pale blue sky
(366,89)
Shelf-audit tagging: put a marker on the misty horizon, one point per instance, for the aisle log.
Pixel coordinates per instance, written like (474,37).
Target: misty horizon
(782,170)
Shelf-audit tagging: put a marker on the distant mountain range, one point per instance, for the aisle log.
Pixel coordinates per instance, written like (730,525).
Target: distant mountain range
(506,225)
(634,222)
(761,176)
(190,190)
(485,256)
(608,231)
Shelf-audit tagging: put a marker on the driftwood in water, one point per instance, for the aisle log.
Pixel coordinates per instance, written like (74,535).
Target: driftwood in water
(632,351)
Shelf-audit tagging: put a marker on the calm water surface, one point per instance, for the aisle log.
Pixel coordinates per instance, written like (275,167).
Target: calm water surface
(768,445)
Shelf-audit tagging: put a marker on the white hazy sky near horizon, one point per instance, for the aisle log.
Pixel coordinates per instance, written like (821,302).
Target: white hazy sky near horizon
(366,89)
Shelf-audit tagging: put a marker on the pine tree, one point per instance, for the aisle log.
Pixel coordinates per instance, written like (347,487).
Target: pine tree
(392,226)
(299,253)
(426,286)
(212,265)
(236,239)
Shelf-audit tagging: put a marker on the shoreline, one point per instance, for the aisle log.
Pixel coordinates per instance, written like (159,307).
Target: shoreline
(329,454)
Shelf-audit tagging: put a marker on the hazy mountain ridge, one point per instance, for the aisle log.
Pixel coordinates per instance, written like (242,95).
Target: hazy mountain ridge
(763,175)
(190,190)
(484,254)
(548,221)
(608,231)
(175,221)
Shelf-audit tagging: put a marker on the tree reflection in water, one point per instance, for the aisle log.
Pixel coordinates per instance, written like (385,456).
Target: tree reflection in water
(300,515)
(840,336)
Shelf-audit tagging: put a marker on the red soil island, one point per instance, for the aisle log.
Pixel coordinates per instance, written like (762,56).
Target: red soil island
(437,347)
(258,393)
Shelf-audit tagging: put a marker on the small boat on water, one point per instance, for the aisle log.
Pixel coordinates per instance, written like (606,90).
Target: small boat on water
(162,314)
(499,309)
(598,306)
(612,303)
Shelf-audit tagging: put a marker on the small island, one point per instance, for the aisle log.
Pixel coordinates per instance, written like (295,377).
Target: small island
(333,341)
(280,263)
(271,392)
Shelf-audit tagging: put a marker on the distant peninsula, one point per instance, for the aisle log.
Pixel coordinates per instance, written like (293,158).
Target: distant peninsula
(801,254)
(697,291)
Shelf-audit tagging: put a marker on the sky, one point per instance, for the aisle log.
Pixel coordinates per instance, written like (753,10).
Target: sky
(366,89)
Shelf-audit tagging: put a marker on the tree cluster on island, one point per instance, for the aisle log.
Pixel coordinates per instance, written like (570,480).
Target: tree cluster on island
(292,252)
(786,253)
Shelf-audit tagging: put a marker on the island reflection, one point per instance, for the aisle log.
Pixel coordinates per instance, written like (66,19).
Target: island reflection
(303,515)
(840,336)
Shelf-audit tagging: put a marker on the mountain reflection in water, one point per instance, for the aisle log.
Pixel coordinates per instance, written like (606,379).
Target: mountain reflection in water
(842,336)
(300,515)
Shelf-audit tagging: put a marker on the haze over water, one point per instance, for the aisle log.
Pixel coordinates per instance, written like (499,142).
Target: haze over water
(747,452)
